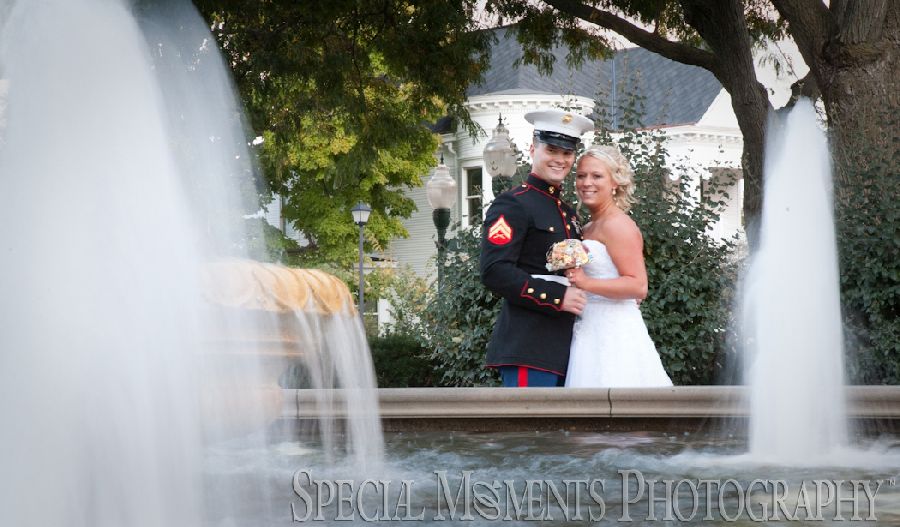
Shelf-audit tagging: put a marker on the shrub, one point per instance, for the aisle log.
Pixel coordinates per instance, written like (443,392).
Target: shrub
(407,295)
(868,236)
(460,319)
(401,361)
(691,275)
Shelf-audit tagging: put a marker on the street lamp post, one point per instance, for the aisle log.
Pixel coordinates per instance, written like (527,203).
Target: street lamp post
(500,153)
(360,217)
(441,192)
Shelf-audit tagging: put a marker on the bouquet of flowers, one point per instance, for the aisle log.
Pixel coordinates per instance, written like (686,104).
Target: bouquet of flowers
(567,254)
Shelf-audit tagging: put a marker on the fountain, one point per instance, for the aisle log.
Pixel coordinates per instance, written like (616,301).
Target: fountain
(651,459)
(792,315)
(140,345)
(124,176)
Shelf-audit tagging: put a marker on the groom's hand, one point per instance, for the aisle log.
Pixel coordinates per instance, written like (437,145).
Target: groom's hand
(574,300)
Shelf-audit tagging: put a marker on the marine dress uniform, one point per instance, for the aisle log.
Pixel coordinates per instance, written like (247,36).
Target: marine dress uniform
(532,335)
(532,330)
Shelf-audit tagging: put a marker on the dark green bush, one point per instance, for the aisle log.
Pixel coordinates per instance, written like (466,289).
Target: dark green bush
(868,236)
(691,283)
(401,361)
(691,275)
(461,318)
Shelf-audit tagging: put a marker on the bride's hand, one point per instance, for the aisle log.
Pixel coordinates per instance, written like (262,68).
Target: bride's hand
(576,277)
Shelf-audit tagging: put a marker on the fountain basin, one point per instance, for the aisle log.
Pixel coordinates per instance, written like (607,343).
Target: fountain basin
(636,441)
(491,409)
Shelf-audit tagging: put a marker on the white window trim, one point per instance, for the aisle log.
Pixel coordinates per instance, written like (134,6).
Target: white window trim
(465,211)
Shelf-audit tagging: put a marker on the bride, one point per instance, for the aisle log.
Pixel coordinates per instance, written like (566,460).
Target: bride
(610,344)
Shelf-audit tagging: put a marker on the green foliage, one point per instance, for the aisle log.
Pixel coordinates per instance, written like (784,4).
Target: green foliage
(691,275)
(460,319)
(341,91)
(401,361)
(407,295)
(868,235)
(689,32)
(268,244)
(540,27)
(539,30)
(429,343)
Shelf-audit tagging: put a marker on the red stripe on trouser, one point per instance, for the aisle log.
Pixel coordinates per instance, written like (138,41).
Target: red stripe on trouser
(523,377)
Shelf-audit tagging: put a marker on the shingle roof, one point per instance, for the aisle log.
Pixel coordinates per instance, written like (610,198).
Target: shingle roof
(673,93)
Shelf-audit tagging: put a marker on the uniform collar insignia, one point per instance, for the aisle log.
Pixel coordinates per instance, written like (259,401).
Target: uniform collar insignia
(542,185)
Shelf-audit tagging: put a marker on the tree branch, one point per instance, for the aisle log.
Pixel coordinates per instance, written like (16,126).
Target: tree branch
(811,25)
(676,51)
(805,87)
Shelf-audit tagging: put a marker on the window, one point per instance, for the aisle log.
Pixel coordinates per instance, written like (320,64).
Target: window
(472,197)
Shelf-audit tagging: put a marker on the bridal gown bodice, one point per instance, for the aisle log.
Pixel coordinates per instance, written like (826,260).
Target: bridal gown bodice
(610,344)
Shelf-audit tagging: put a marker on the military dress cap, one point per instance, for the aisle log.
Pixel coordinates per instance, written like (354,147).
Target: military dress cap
(559,127)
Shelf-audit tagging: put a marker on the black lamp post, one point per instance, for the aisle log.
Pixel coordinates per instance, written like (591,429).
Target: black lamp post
(360,217)
(441,192)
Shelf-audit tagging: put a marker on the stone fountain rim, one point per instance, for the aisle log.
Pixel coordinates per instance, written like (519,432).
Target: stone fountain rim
(679,407)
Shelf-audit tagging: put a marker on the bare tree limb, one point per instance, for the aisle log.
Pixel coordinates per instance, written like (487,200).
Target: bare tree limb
(651,41)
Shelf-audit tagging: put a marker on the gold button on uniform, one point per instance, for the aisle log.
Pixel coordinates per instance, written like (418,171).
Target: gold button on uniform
(551,229)
(551,190)
(543,296)
(556,301)
(530,290)
(559,202)
(564,214)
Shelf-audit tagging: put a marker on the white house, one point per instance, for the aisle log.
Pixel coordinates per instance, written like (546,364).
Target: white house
(686,101)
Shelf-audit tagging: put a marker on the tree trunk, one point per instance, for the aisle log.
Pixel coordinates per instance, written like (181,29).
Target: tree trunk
(860,83)
(853,52)
(722,25)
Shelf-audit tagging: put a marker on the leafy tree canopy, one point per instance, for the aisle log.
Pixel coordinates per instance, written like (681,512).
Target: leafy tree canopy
(713,34)
(653,24)
(342,91)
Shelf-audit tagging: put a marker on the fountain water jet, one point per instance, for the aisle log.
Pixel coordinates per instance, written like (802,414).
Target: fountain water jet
(791,313)
(122,169)
(99,298)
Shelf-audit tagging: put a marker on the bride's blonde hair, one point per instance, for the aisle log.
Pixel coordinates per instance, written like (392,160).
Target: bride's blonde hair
(621,172)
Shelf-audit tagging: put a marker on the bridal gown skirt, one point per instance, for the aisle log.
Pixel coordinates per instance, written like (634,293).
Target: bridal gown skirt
(611,348)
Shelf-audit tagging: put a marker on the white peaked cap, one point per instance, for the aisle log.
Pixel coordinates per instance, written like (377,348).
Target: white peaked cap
(555,121)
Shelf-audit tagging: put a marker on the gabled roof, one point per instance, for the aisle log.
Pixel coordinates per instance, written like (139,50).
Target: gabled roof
(674,93)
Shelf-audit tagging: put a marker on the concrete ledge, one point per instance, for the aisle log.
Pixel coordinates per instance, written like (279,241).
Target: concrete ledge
(680,402)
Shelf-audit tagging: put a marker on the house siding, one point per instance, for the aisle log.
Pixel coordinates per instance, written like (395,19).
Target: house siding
(418,251)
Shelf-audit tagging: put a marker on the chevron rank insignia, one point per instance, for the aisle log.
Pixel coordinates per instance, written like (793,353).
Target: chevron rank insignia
(500,233)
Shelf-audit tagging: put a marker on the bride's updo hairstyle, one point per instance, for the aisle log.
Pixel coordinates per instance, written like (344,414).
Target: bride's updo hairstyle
(621,172)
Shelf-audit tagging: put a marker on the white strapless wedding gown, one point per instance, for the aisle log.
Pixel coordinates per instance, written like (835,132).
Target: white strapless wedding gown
(610,344)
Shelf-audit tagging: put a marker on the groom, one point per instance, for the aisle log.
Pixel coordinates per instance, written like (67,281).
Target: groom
(530,344)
